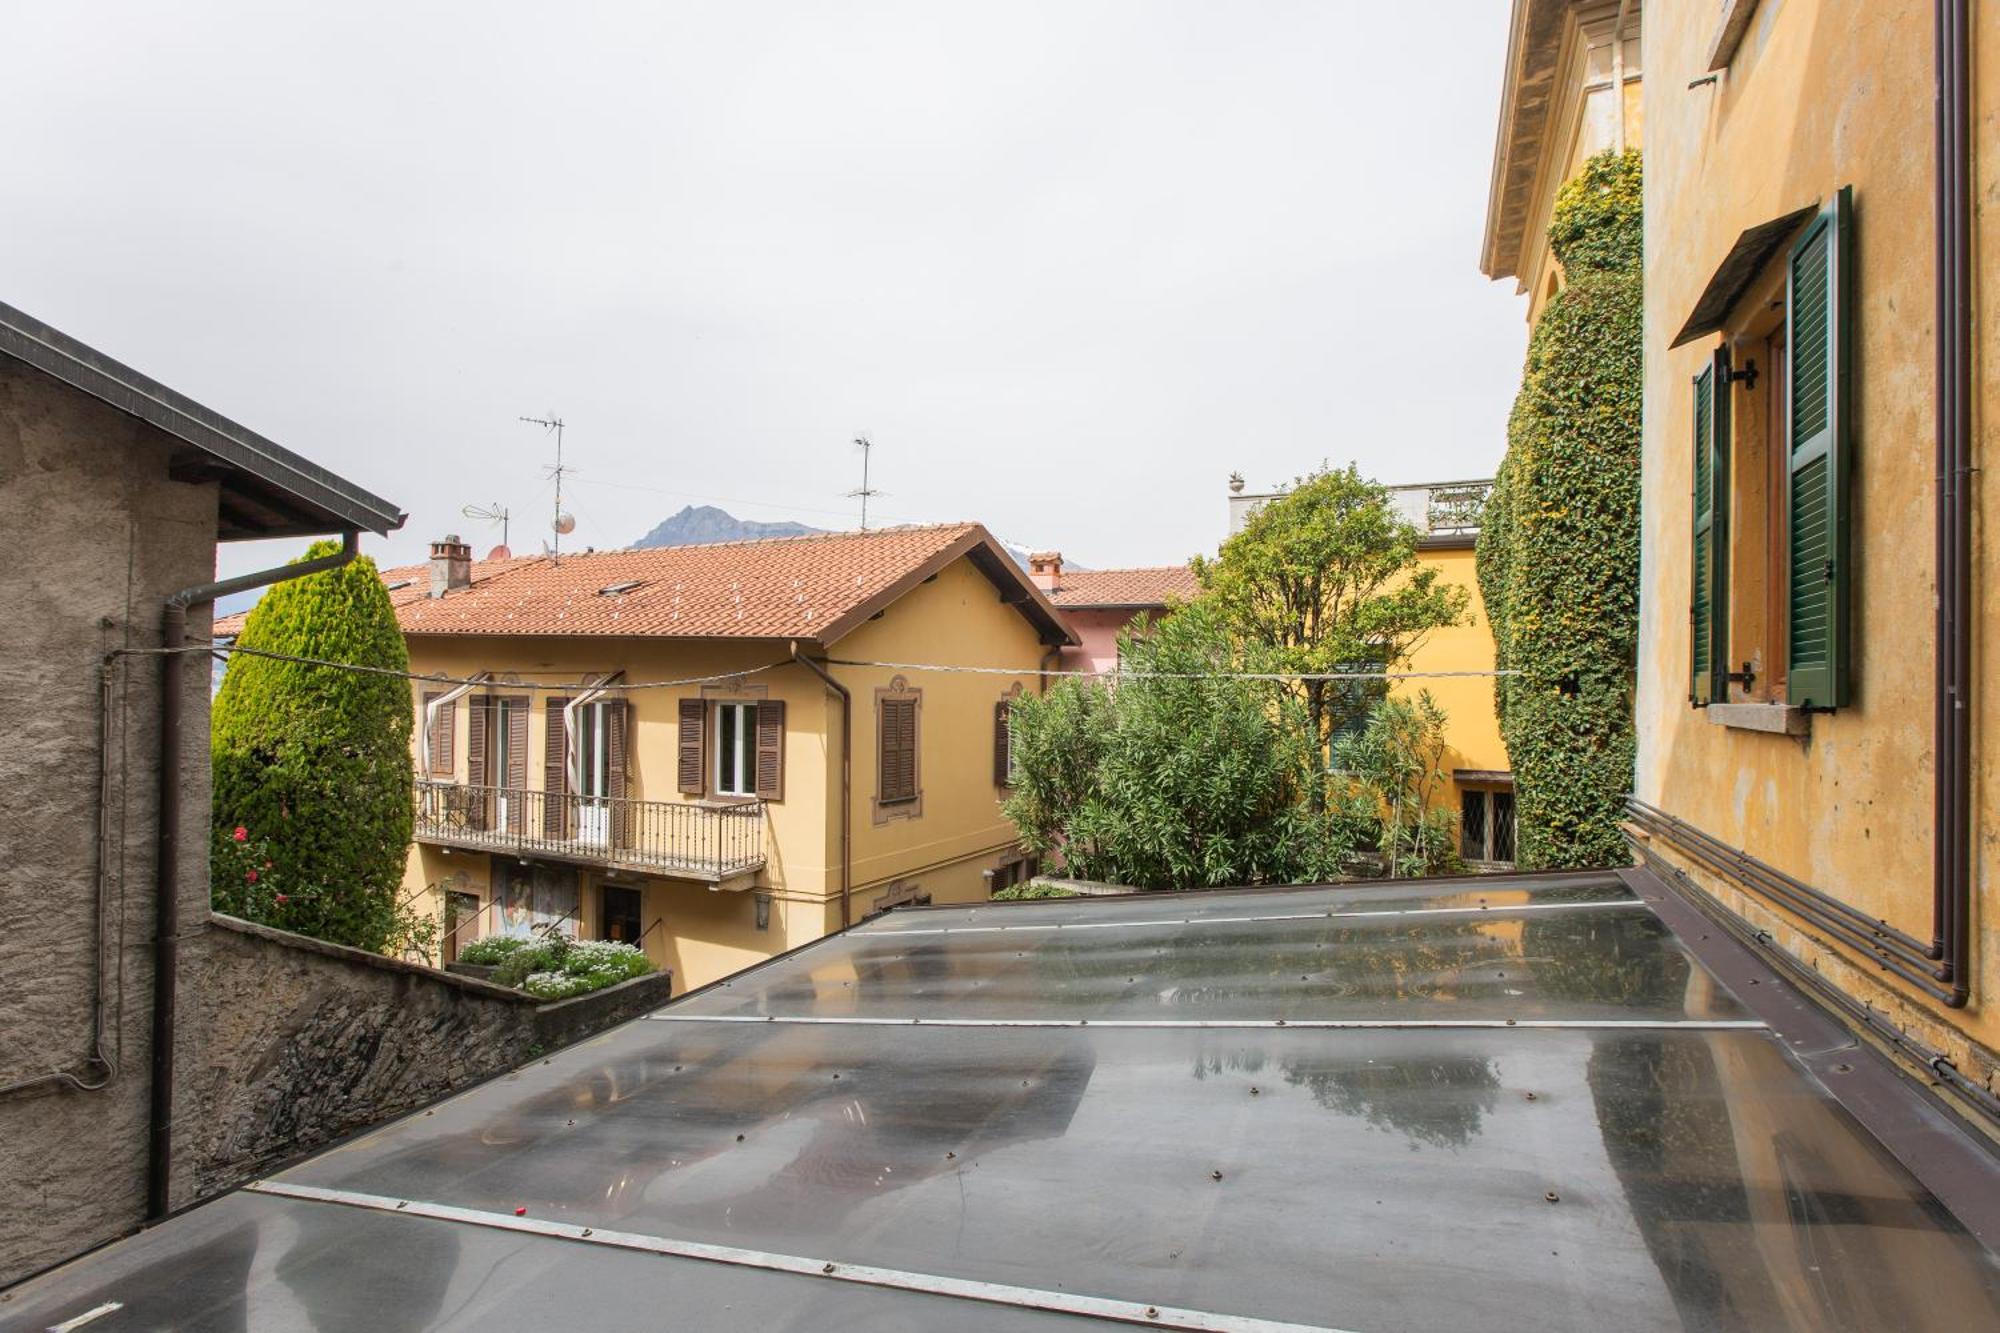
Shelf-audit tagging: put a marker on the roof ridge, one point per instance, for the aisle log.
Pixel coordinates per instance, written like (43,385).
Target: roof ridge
(1132,569)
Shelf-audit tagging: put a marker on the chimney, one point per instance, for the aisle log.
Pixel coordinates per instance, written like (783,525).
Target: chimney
(451,565)
(1045,569)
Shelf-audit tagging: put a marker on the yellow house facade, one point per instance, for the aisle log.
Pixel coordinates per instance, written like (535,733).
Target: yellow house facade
(1480,787)
(1812,761)
(718,753)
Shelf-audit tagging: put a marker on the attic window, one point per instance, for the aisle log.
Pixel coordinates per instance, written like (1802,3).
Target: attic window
(398,584)
(615,589)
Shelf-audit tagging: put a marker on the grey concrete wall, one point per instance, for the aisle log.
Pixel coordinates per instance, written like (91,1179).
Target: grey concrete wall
(299,1042)
(95,536)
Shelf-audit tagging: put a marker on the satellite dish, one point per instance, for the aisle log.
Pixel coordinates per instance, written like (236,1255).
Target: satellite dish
(565,524)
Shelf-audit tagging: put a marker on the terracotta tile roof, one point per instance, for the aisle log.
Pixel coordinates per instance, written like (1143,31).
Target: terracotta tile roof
(814,587)
(1151,586)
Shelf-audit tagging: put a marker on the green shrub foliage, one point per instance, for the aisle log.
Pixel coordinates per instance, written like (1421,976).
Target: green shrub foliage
(1394,767)
(1170,782)
(1559,542)
(312,764)
(1326,578)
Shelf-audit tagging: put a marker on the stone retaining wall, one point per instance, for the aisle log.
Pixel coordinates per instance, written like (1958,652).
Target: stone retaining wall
(292,1043)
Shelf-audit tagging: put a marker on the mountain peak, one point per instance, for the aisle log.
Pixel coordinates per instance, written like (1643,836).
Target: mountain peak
(697,525)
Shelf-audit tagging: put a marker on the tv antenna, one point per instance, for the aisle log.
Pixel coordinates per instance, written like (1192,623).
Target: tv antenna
(563,523)
(865,492)
(493,513)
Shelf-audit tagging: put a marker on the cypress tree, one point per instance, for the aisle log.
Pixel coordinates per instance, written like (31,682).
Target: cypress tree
(1559,543)
(312,764)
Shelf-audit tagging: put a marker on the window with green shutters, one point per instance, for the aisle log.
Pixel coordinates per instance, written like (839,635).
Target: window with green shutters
(1708,608)
(1819,306)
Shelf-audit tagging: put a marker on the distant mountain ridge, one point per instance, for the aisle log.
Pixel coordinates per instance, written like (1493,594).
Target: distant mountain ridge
(698,525)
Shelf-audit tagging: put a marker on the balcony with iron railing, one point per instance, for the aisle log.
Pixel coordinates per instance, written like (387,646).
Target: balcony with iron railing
(712,843)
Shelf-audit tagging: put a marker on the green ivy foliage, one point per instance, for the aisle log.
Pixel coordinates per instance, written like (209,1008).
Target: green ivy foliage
(313,763)
(1597,224)
(1558,553)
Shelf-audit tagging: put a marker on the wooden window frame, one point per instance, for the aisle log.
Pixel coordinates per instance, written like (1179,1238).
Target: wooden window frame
(911,807)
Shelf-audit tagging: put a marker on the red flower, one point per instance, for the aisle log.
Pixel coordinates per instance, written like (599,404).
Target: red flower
(242,834)
(250,875)
(281,900)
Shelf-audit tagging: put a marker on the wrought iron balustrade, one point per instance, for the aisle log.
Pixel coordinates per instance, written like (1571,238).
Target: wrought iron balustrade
(1456,507)
(670,836)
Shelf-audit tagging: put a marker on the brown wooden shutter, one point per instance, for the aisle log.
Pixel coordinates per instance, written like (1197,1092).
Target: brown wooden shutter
(897,749)
(1003,759)
(441,737)
(617,717)
(477,805)
(694,717)
(555,773)
(771,751)
(517,762)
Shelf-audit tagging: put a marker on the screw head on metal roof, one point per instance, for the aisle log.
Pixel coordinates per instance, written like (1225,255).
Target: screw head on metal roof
(1152,1312)
(827,1269)
(1530,1096)
(1254,1089)
(1552,1196)
(1215,1175)
(739,1138)
(949,1155)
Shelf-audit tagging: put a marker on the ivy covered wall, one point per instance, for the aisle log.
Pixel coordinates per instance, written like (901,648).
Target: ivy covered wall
(1559,543)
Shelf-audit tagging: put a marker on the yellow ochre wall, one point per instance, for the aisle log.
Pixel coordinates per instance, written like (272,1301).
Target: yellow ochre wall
(1818,97)
(707,933)
(1473,728)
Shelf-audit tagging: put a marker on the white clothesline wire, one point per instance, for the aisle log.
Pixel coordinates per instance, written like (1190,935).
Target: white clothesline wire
(1114,673)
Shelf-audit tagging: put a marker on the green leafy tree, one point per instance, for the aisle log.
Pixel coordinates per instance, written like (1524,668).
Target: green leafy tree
(1176,777)
(1558,550)
(312,764)
(1326,579)
(1394,766)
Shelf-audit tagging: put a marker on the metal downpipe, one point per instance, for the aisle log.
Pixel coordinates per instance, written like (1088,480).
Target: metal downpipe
(846,781)
(166,906)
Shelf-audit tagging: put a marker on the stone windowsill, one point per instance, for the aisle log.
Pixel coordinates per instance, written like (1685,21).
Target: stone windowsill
(1777,719)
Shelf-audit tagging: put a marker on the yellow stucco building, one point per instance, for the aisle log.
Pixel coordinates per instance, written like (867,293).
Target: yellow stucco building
(653,745)
(1481,783)
(1812,764)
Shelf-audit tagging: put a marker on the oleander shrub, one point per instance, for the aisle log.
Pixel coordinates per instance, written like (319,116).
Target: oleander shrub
(1558,554)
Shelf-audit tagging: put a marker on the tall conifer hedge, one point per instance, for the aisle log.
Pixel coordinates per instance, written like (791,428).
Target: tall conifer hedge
(312,764)
(1559,543)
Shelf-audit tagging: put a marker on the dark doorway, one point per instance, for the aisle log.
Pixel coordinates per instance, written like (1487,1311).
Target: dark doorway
(619,919)
(461,924)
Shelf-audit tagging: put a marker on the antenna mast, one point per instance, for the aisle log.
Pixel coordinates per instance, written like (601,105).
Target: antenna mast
(865,491)
(563,522)
(493,513)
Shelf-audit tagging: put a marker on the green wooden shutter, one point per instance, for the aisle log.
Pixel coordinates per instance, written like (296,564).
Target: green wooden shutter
(1708,607)
(1819,309)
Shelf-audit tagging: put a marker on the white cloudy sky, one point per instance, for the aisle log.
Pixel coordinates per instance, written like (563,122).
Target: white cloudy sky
(1068,264)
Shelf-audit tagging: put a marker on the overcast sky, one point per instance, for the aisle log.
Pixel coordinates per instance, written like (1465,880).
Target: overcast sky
(1067,264)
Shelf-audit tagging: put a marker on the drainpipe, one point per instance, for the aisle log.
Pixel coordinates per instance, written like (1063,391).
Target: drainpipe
(846,780)
(1951,858)
(167,915)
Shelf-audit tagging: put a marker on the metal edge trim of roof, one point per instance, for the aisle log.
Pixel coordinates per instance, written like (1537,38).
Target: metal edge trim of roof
(55,353)
(1739,268)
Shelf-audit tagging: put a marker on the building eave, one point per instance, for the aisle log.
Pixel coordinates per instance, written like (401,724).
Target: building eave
(267,490)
